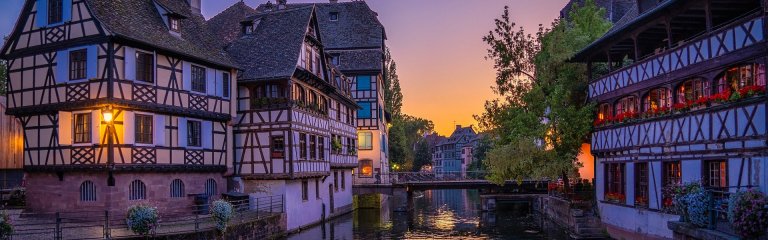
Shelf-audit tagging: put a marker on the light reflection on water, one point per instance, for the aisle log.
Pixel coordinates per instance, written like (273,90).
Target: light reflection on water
(439,214)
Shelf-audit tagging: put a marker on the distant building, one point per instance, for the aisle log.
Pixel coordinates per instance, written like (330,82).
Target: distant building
(667,116)
(451,154)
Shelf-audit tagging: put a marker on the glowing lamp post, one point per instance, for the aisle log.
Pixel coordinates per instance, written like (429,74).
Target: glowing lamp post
(107,117)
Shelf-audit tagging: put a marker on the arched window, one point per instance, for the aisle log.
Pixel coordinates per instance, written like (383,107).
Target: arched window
(626,105)
(692,90)
(657,99)
(313,98)
(177,188)
(87,192)
(137,190)
(734,78)
(210,187)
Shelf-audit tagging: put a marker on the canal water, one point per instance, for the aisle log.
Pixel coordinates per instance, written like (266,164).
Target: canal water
(439,214)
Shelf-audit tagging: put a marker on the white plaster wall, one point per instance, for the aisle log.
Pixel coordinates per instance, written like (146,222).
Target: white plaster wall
(651,223)
(299,212)
(691,170)
(600,181)
(629,180)
(344,196)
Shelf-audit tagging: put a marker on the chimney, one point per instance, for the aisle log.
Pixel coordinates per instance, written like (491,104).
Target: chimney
(458,126)
(281,4)
(195,6)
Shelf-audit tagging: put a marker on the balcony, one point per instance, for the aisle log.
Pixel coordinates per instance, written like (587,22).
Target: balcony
(738,35)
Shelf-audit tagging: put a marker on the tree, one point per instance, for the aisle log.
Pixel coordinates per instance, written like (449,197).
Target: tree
(543,118)
(393,96)
(404,136)
(423,155)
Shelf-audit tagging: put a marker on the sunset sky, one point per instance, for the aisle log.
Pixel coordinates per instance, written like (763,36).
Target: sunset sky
(437,45)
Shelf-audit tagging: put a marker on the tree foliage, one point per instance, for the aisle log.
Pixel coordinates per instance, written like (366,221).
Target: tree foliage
(393,96)
(543,118)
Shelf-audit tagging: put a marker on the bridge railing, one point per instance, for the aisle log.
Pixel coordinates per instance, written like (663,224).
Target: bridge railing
(421,177)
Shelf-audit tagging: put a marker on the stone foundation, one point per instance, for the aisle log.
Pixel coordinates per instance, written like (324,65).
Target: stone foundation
(47,192)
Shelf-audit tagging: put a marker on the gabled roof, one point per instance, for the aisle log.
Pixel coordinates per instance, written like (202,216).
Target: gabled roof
(272,50)
(225,26)
(140,21)
(357,36)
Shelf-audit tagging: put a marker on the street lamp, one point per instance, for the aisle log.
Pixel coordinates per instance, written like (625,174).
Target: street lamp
(107,114)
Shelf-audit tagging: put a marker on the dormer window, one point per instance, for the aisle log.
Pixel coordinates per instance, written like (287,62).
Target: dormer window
(334,16)
(335,59)
(174,24)
(248,29)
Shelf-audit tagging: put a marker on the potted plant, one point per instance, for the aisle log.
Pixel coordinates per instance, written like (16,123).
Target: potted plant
(336,145)
(6,225)
(615,197)
(221,214)
(697,207)
(750,91)
(748,213)
(142,219)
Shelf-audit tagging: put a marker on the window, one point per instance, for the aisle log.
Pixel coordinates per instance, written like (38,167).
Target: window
(363,82)
(82,128)
(278,146)
(248,28)
(177,188)
(137,190)
(55,11)
(656,99)
(225,86)
(383,143)
(194,137)
(338,111)
(335,61)
(641,184)
(716,174)
(198,79)
(745,75)
(342,181)
(302,145)
(615,182)
(317,188)
(145,65)
(173,23)
(210,187)
(143,129)
(366,168)
(318,68)
(308,58)
(626,105)
(87,192)
(304,190)
(313,146)
(321,148)
(77,64)
(671,175)
(334,16)
(366,140)
(692,90)
(335,181)
(365,111)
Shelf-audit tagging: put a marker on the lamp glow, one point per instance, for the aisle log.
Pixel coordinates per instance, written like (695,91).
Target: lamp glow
(107,114)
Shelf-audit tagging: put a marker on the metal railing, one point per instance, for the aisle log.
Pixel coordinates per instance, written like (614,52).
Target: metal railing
(113,225)
(419,177)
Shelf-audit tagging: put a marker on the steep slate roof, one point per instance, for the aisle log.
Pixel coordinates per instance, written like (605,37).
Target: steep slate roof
(357,28)
(139,20)
(225,26)
(272,50)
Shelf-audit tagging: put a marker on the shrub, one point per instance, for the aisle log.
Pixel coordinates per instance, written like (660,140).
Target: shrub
(679,203)
(747,213)
(6,226)
(697,207)
(142,219)
(221,212)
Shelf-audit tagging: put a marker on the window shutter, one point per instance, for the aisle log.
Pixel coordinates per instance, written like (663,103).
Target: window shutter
(66,10)
(129,128)
(207,133)
(182,132)
(62,66)
(158,128)
(92,61)
(42,13)
(65,128)
(130,63)
(210,80)
(186,76)
(96,128)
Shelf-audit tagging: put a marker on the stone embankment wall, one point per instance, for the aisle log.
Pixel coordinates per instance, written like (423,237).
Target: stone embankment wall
(581,222)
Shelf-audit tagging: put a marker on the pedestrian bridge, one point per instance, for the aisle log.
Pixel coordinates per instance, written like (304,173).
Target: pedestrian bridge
(417,181)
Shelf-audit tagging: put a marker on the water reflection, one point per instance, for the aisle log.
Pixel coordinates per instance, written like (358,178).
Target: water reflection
(439,214)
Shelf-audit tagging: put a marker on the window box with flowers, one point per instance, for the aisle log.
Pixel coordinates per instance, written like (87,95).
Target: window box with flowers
(615,198)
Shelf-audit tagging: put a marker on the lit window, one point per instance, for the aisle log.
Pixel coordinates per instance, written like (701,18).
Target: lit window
(366,168)
(692,90)
(745,75)
(716,173)
(656,99)
(82,133)
(626,105)
(174,24)
(365,140)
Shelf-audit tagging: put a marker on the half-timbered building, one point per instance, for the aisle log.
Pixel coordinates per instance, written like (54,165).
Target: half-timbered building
(121,102)
(680,90)
(354,39)
(295,127)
